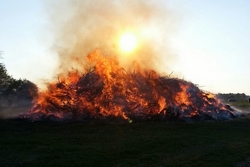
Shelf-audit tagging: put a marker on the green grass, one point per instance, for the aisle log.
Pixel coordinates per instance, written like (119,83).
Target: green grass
(222,143)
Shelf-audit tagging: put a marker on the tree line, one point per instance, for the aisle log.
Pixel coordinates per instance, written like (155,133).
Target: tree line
(20,88)
(233,96)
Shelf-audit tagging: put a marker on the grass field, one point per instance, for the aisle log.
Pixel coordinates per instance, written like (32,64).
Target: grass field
(145,144)
(219,143)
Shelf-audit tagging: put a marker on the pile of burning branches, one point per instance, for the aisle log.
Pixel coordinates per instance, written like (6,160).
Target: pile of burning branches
(108,92)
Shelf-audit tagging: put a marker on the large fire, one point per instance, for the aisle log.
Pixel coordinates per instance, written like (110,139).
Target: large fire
(109,92)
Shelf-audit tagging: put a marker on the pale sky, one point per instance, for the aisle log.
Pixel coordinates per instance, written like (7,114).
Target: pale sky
(211,44)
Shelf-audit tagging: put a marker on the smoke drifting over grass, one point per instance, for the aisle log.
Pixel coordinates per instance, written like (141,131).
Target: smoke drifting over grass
(80,27)
(13,108)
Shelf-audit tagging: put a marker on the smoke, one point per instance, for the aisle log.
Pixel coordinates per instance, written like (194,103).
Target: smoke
(11,107)
(82,26)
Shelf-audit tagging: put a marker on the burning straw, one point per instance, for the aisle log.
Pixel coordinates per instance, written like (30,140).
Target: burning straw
(109,92)
(119,86)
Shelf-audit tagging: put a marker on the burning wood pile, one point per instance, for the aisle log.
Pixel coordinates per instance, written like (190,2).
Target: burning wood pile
(108,92)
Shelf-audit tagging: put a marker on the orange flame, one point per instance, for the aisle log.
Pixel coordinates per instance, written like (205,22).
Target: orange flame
(108,91)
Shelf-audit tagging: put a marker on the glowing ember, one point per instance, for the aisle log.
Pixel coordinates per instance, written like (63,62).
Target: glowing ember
(108,92)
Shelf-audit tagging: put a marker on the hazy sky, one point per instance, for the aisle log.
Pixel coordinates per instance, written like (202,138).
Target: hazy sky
(211,42)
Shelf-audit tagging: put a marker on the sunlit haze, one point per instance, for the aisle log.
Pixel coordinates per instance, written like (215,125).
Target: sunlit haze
(128,42)
(202,41)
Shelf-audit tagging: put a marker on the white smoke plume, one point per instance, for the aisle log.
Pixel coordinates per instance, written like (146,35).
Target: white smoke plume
(82,26)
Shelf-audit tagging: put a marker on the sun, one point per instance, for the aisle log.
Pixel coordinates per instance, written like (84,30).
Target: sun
(128,42)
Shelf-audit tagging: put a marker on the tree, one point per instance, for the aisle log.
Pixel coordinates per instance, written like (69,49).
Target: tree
(20,88)
(14,90)
(5,79)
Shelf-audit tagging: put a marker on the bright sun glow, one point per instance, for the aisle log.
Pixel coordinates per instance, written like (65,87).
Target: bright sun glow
(128,42)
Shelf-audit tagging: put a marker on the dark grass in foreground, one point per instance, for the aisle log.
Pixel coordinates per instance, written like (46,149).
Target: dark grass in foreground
(222,143)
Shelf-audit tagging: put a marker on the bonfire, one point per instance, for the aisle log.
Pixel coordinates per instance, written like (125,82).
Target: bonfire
(108,92)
